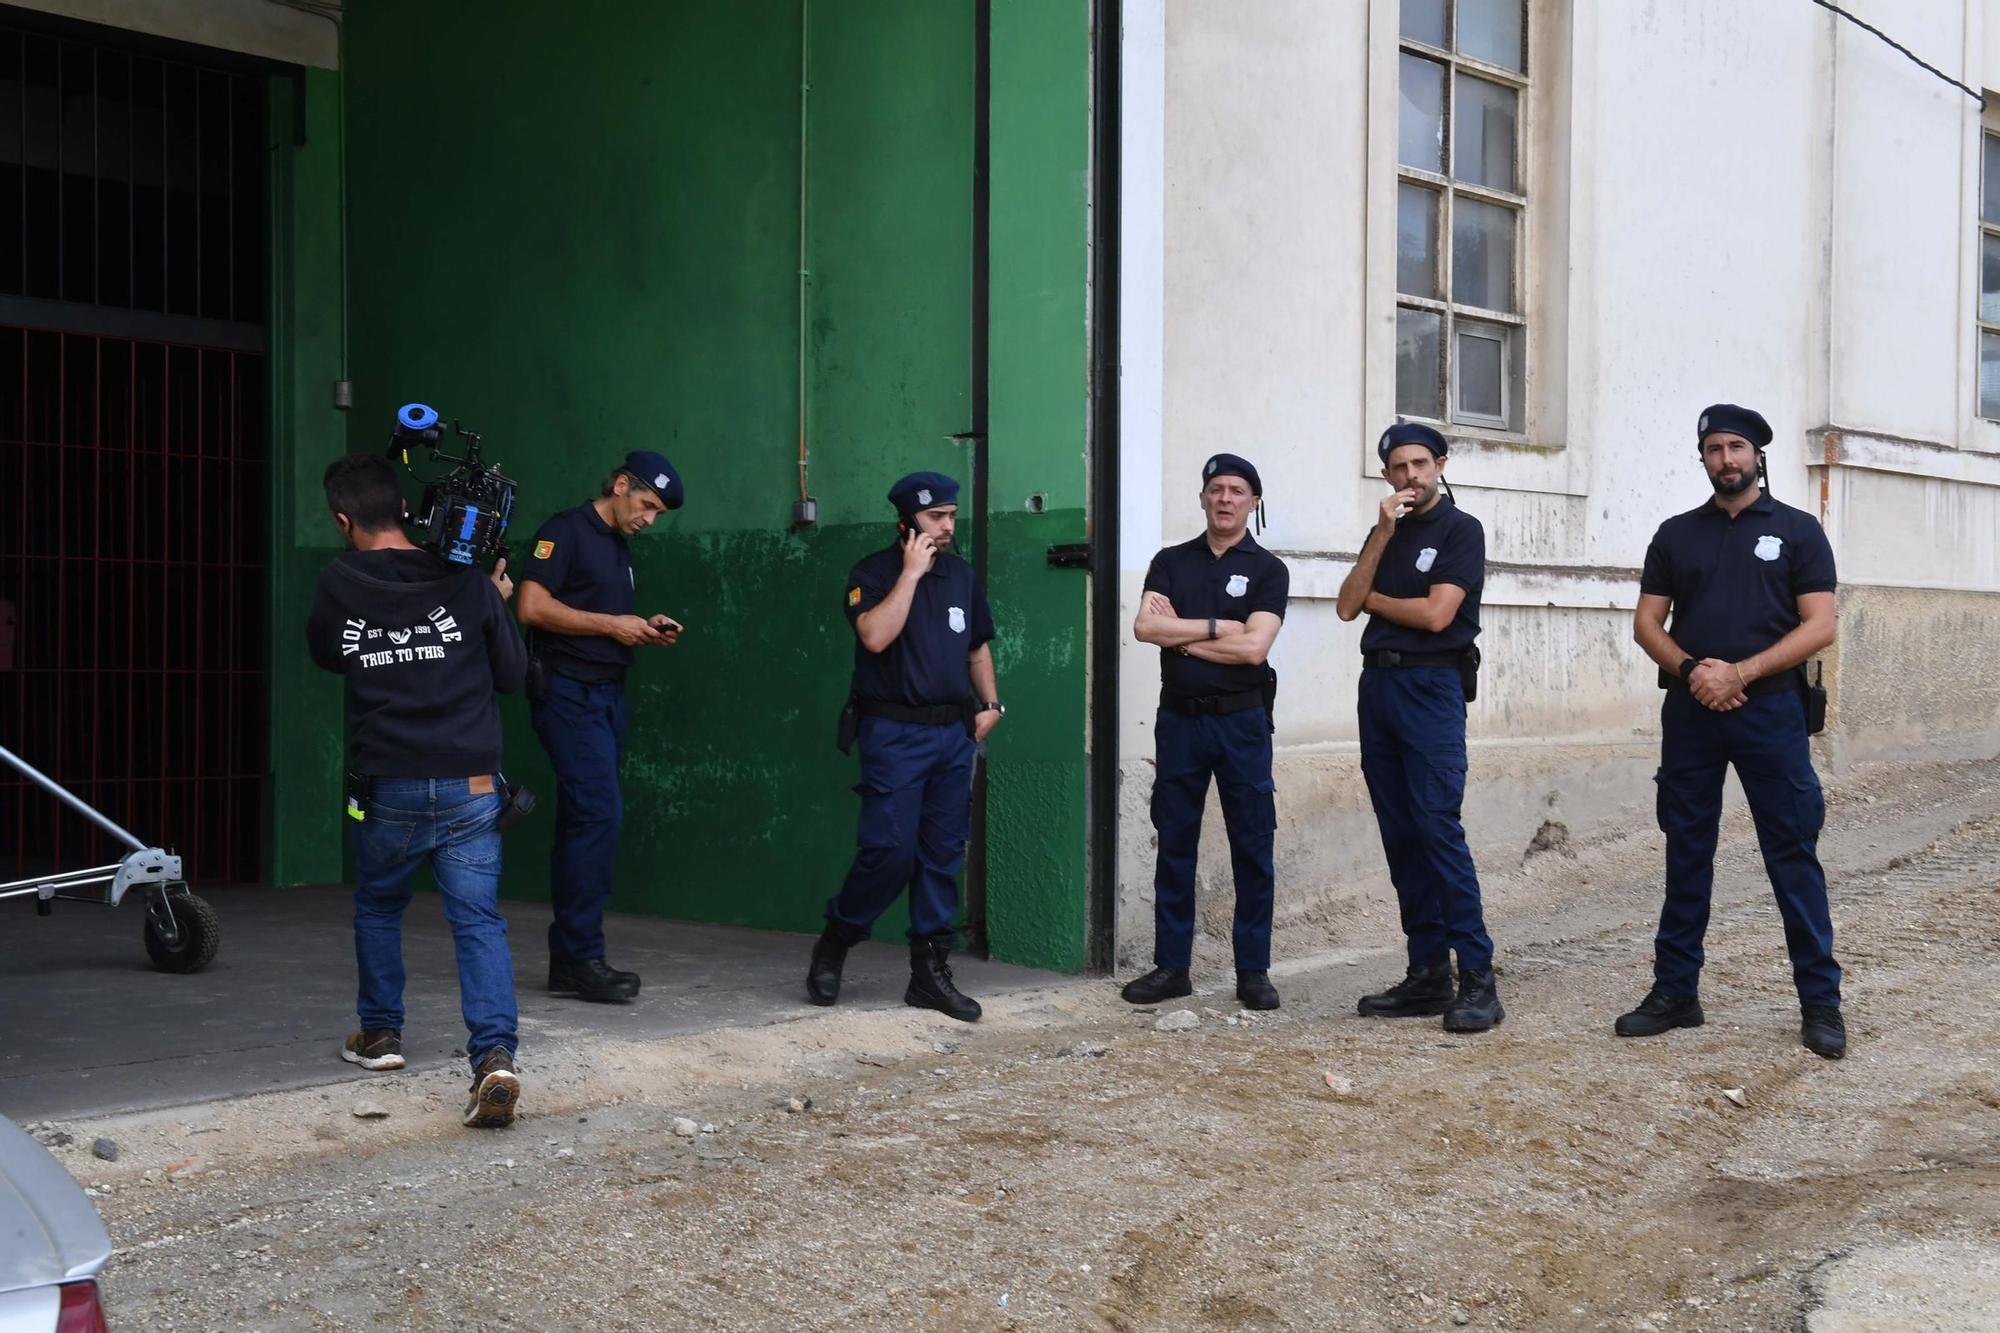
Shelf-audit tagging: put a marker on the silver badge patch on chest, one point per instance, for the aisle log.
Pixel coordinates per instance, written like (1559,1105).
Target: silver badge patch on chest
(955,617)
(1238,585)
(1426,558)
(1768,547)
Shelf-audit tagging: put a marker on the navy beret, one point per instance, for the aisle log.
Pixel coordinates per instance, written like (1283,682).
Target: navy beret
(656,474)
(922,490)
(1736,420)
(1409,432)
(1230,465)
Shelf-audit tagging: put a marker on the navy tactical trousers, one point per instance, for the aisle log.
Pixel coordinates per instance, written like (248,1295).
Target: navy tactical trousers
(1236,750)
(1766,740)
(582,726)
(1413,758)
(916,818)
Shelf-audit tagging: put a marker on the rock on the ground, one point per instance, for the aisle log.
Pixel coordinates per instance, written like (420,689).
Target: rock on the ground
(1180,1020)
(1922,1284)
(370,1111)
(105,1150)
(685,1128)
(1552,836)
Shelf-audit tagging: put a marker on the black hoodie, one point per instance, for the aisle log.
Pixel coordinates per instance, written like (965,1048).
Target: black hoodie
(424,645)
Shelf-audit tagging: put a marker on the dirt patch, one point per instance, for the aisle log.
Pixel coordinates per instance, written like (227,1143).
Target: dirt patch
(1063,1165)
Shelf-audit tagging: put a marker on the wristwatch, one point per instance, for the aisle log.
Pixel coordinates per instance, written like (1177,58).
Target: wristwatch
(994,706)
(1211,627)
(1687,666)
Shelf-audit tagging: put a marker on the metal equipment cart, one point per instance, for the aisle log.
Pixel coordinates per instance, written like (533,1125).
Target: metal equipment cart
(182,930)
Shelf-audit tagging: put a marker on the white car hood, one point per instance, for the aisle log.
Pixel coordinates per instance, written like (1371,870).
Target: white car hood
(48,1230)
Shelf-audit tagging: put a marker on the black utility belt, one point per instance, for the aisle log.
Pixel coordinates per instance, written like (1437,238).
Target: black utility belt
(1220,705)
(588,673)
(929,715)
(1388,659)
(1756,689)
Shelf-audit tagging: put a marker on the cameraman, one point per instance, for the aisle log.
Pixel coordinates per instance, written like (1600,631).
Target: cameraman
(423,645)
(577,598)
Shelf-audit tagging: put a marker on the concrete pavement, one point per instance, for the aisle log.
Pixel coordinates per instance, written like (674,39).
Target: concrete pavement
(91,1028)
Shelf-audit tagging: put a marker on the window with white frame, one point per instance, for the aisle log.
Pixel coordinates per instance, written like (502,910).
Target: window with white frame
(1989,270)
(1461,210)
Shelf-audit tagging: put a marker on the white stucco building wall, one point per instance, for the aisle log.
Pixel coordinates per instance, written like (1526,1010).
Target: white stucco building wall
(1758,203)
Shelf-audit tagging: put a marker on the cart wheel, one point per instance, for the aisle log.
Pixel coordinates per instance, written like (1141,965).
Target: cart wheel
(200,931)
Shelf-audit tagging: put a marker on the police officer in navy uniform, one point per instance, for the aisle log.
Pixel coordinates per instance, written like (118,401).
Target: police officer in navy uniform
(923,700)
(577,596)
(1750,583)
(1419,577)
(1214,606)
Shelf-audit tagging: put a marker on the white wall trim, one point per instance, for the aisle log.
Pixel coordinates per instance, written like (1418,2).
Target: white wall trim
(1142,280)
(249,27)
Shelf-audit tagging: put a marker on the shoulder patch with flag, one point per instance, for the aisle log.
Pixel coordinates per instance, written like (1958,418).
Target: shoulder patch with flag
(854,596)
(543,550)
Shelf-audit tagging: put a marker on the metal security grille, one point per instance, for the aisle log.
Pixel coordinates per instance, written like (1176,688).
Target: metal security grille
(132,450)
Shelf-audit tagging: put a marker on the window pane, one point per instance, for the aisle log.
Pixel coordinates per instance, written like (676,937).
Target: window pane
(1417,241)
(1482,138)
(1419,371)
(1481,371)
(1423,21)
(1486,375)
(1989,374)
(1490,30)
(1989,279)
(1420,123)
(1482,254)
(1989,207)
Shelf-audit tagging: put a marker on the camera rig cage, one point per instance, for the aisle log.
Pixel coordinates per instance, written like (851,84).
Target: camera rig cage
(465,511)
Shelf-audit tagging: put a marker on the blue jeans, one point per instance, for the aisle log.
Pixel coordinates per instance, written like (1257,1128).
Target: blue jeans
(439,821)
(916,818)
(1413,759)
(582,726)
(1235,749)
(1766,741)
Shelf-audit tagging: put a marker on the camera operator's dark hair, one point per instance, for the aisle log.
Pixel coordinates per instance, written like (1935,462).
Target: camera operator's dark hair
(364,487)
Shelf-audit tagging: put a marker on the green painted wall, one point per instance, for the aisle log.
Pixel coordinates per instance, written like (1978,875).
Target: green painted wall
(579,232)
(1037,798)
(307,432)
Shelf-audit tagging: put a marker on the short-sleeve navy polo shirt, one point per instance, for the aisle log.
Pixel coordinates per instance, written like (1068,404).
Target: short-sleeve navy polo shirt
(926,664)
(1735,582)
(1444,544)
(587,566)
(1243,579)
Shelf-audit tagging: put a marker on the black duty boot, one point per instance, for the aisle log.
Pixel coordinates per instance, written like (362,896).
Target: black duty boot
(829,956)
(1660,1012)
(1162,983)
(1255,991)
(592,979)
(1477,1006)
(1423,992)
(1823,1031)
(931,985)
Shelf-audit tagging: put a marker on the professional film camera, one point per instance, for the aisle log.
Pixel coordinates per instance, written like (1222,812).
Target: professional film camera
(465,511)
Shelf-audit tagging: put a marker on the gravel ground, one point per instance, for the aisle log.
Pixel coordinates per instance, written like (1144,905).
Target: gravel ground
(1066,1164)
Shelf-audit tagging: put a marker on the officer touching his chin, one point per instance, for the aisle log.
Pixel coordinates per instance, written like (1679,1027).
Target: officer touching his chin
(1419,577)
(1214,607)
(922,701)
(1750,583)
(576,598)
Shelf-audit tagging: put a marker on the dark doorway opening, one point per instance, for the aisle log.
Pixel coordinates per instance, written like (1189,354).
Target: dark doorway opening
(133,486)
